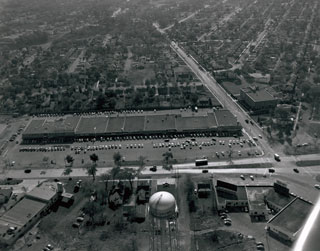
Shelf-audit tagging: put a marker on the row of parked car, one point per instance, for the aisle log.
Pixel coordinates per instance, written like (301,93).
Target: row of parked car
(42,149)
(146,137)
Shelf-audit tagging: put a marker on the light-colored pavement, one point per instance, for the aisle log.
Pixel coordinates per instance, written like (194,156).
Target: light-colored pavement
(224,98)
(284,166)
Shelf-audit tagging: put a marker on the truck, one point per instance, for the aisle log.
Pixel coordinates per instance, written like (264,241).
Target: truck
(201,162)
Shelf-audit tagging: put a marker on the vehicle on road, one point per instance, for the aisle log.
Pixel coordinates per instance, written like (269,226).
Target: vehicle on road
(205,171)
(153,169)
(296,170)
(271,170)
(277,157)
(201,162)
(27,170)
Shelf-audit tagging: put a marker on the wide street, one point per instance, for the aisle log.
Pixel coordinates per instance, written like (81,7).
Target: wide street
(224,98)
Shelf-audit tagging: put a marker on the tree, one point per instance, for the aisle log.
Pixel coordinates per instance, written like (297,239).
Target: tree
(102,196)
(91,208)
(69,159)
(67,170)
(166,159)
(114,172)
(92,170)
(105,177)
(94,158)
(142,163)
(269,131)
(126,174)
(117,158)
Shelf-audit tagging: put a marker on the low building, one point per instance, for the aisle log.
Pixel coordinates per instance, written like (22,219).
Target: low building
(258,100)
(68,128)
(288,222)
(230,197)
(256,204)
(278,197)
(17,220)
(204,189)
(259,77)
(167,185)
(67,199)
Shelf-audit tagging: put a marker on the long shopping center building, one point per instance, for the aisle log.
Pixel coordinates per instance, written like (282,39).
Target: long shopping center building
(68,128)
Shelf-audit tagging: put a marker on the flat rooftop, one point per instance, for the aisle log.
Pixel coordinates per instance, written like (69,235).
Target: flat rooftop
(225,118)
(279,199)
(173,120)
(45,192)
(259,95)
(292,217)
(240,194)
(256,196)
(20,214)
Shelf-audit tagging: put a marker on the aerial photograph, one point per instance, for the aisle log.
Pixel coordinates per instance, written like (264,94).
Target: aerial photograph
(159,125)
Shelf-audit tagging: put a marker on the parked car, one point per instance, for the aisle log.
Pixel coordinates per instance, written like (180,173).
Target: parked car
(296,170)
(80,219)
(49,246)
(271,170)
(76,225)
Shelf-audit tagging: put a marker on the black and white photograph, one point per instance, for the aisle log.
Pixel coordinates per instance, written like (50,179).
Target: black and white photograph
(159,125)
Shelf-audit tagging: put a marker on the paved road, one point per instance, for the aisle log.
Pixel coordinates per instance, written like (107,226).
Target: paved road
(285,166)
(225,99)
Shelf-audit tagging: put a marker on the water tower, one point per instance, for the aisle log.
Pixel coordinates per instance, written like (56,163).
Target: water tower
(163,213)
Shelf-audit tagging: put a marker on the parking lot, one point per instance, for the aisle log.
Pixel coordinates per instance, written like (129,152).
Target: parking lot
(183,149)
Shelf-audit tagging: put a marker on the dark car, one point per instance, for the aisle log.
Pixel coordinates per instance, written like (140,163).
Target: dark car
(153,169)
(76,188)
(205,171)
(295,170)
(271,170)
(27,170)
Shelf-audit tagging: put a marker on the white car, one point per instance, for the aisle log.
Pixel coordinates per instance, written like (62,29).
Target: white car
(317,186)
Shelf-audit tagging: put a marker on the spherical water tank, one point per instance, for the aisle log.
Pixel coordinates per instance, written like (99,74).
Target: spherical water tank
(162,205)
